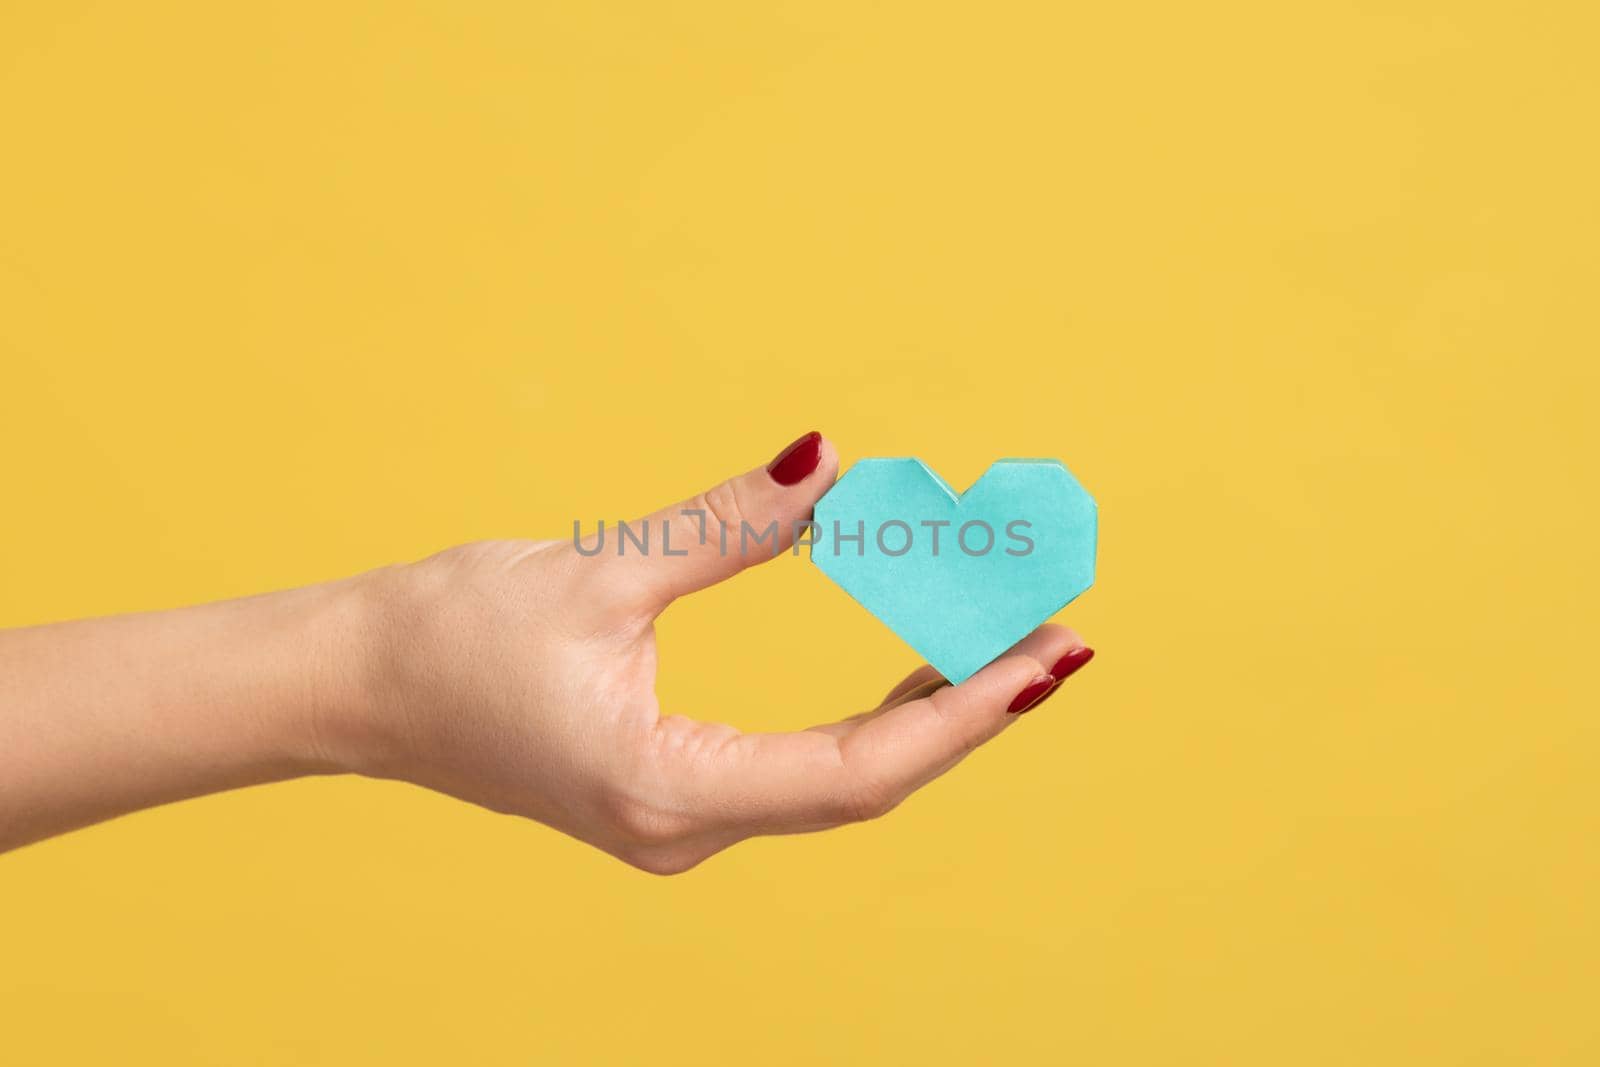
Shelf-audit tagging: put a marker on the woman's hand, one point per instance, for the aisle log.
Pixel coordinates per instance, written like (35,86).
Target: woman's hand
(517,675)
(521,676)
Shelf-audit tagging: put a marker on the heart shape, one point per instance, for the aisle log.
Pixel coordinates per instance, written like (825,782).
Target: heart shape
(915,553)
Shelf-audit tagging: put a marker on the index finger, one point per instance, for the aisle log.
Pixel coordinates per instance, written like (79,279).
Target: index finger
(795,782)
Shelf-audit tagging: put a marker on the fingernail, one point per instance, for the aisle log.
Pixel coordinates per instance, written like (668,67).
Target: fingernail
(1031,694)
(791,466)
(1070,662)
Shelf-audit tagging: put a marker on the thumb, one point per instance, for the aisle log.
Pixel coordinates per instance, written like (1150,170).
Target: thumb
(748,519)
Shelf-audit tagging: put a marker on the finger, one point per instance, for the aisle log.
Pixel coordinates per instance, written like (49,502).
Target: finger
(919,692)
(1058,646)
(789,783)
(917,679)
(895,753)
(919,683)
(926,679)
(847,725)
(713,535)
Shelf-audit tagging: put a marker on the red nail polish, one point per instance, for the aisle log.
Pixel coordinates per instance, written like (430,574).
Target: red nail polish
(794,463)
(1031,694)
(1070,662)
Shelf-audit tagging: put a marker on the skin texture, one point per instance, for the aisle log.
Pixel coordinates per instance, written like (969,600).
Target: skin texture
(512,674)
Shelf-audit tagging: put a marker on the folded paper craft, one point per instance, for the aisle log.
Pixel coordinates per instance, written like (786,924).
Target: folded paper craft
(960,577)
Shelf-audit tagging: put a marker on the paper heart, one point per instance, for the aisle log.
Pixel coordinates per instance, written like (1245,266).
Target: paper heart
(925,566)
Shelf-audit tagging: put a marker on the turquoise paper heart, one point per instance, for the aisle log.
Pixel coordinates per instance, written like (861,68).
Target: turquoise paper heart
(925,565)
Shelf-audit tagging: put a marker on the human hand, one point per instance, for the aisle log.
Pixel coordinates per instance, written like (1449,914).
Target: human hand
(521,676)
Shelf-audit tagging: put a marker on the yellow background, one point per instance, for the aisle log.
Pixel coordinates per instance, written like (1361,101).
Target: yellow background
(1304,293)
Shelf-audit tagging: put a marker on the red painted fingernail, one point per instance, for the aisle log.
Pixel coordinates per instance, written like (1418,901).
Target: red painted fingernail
(1070,662)
(798,460)
(1031,694)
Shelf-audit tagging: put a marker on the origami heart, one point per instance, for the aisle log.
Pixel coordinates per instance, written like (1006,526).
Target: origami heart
(961,578)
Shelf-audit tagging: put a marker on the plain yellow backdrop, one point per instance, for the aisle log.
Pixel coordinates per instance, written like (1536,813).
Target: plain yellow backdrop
(1304,293)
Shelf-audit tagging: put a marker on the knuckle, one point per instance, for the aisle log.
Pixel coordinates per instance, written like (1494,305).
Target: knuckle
(664,862)
(644,825)
(969,731)
(610,589)
(866,799)
(722,507)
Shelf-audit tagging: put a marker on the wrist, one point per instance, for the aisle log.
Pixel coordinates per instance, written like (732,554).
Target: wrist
(337,727)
